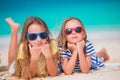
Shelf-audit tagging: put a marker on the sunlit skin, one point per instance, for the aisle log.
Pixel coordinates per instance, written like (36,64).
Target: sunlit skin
(75,42)
(36,28)
(36,47)
(74,37)
(12,49)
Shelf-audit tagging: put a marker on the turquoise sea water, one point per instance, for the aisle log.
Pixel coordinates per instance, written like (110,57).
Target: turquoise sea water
(95,14)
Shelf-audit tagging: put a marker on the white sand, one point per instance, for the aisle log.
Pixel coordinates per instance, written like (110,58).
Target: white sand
(107,39)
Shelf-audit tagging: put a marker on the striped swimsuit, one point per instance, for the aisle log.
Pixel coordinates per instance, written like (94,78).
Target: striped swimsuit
(96,62)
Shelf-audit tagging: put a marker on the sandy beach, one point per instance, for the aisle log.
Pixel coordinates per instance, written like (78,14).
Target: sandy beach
(100,39)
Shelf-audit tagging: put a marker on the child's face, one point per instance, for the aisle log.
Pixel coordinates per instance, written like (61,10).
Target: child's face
(74,36)
(36,28)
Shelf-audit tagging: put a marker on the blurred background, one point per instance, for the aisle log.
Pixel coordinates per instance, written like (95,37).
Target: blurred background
(101,19)
(95,14)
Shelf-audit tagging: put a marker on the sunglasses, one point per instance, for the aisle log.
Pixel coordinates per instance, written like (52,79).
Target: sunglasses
(69,30)
(33,36)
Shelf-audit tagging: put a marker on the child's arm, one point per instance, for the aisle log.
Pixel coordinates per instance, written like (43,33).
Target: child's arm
(51,62)
(52,66)
(13,42)
(85,61)
(35,54)
(69,65)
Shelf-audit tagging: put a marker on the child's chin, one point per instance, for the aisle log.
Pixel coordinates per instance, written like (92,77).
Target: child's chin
(73,42)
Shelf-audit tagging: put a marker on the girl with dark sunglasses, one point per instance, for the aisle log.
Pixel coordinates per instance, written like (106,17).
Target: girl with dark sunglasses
(77,53)
(33,57)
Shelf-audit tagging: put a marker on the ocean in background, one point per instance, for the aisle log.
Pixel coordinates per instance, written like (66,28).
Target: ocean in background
(95,14)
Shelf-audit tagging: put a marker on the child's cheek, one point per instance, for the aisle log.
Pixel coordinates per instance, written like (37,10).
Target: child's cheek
(32,43)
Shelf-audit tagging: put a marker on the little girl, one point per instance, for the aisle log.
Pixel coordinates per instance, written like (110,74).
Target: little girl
(33,57)
(78,53)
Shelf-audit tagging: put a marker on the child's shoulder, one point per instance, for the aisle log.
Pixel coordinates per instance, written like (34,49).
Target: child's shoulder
(87,41)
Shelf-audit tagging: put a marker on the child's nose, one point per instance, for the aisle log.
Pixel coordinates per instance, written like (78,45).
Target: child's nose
(73,32)
(38,38)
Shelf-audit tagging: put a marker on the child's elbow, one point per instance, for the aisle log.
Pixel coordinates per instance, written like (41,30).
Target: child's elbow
(54,74)
(85,72)
(68,73)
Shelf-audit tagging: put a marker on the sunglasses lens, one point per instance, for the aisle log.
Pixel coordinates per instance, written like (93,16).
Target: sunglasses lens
(78,29)
(44,35)
(31,36)
(68,31)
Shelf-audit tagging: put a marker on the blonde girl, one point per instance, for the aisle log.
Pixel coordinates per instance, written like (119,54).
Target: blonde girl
(33,56)
(78,53)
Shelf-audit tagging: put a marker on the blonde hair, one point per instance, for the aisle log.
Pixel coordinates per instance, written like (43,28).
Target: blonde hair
(22,65)
(61,37)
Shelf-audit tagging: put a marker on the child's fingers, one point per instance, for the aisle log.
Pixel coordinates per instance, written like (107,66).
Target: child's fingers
(81,41)
(44,43)
(33,47)
(68,43)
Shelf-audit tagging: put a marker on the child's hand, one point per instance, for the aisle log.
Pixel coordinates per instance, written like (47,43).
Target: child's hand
(80,45)
(72,47)
(14,26)
(46,50)
(35,52)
